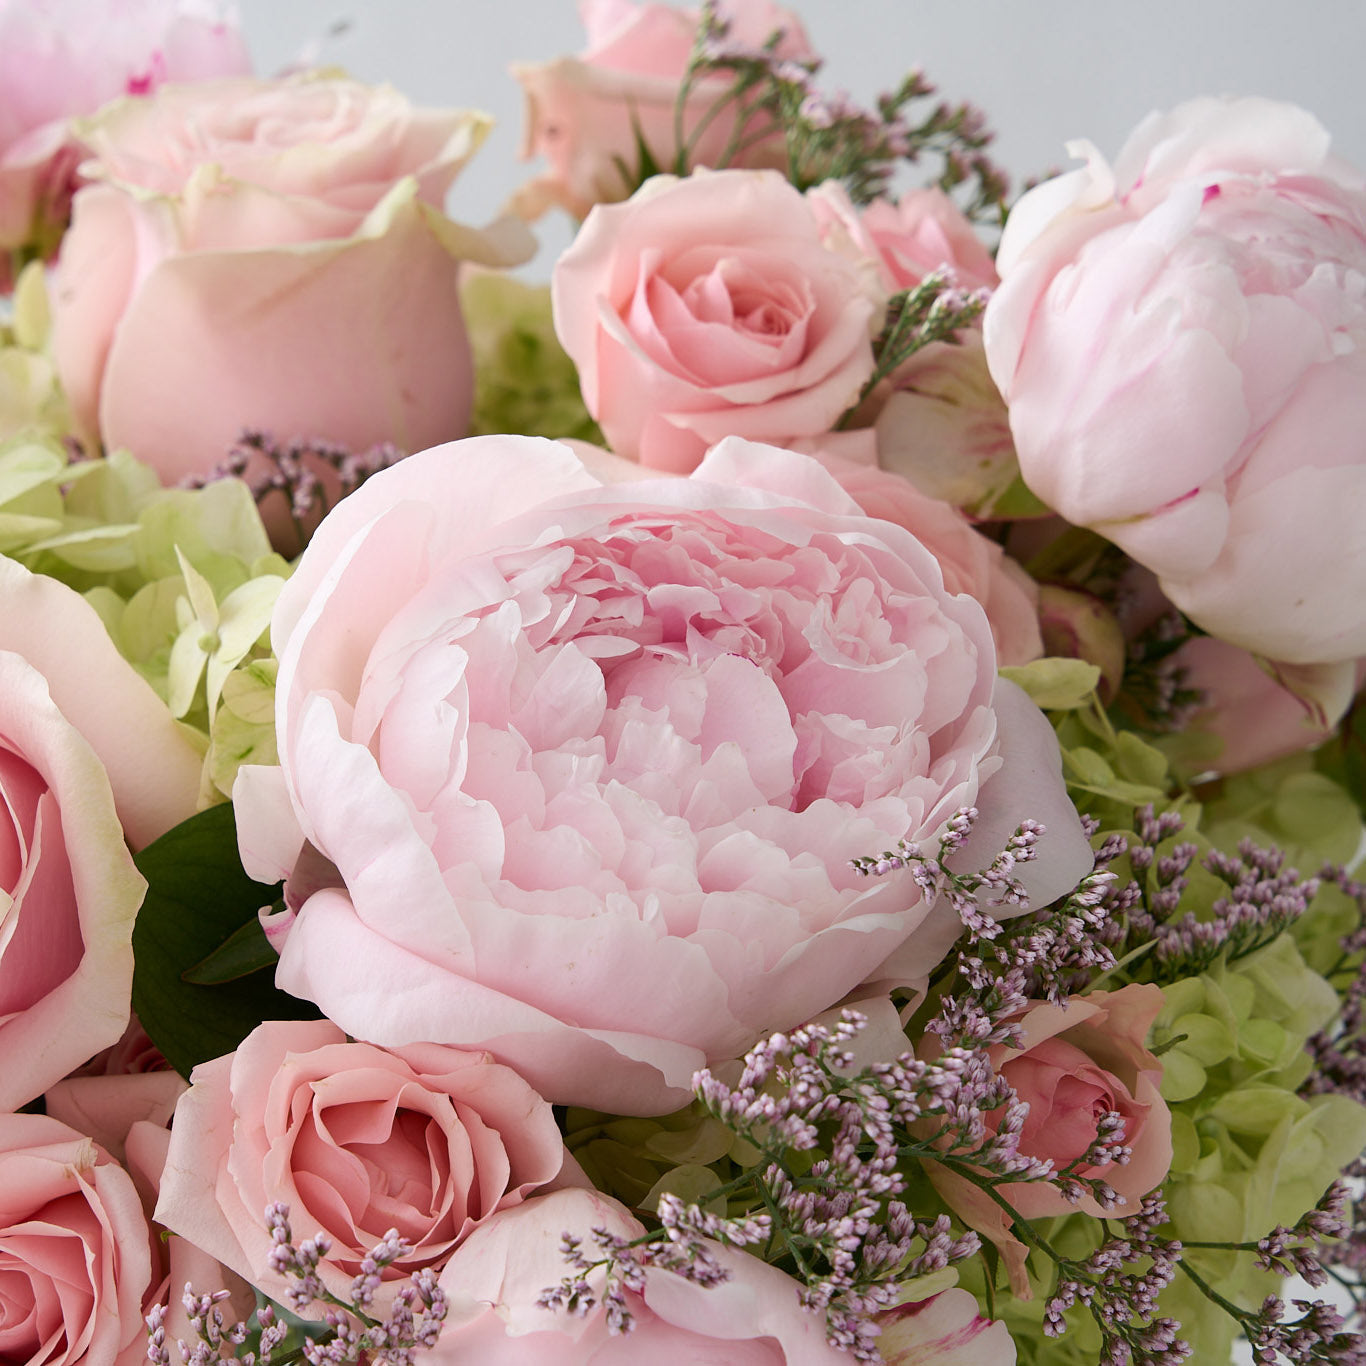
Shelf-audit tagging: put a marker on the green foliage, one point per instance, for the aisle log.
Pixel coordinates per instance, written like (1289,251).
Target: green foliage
(523,380)
(1055,684)
(184,579)
(199,898)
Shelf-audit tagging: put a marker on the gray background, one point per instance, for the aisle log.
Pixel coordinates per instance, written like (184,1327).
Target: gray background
(1045,71)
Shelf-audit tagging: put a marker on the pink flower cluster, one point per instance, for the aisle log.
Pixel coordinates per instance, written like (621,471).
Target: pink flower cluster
(583,754)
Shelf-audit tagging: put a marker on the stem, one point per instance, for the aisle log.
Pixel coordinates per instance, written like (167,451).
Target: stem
(734,147)
(708,117)
(1243,1316)
(1018,1226)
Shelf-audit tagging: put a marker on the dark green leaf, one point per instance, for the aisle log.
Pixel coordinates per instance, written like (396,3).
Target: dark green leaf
(1353,732)
(198,897)
(243,952)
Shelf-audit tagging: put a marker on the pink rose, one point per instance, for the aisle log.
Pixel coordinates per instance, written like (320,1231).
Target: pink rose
(752,1319)
(970,562)
(1182,343)
(61,58)
(75,1250)
(234,234)
(1077,1062)
(133,1053)
(356,1140)
(581,766)
(922,232)
(585,114)
(709,307)
(129,1117)
(79,766)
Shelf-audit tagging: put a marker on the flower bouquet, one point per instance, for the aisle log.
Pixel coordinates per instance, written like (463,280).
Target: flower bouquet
(793,797)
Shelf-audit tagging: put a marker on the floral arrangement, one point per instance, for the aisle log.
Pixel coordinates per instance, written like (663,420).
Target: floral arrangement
(792,797)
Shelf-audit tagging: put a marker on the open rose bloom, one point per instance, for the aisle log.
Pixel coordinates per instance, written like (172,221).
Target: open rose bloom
(574,772)
(75,1250)
(83,771)
(1076,1062)
(709,307)
(356,1140)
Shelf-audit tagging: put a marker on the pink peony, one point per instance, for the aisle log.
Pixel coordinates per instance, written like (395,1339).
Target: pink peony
(356,1140)
(1182,343)
(61,58)
(585,114)
(75,1250)
(580,767)
(709,307)
(234,233)
(79,766)
(754,1318)
(971,563)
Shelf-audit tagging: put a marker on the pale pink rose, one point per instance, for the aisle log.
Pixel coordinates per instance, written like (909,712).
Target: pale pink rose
(906,240)
(970,562)
(108,1108)
(574,771)
(585,114)
(268,254)
(1182,343)
(61,58)
(129,1116)
(754,1318)
(709,307)
(80,765)
(1076,1062)
(356,1140)
(75,1249)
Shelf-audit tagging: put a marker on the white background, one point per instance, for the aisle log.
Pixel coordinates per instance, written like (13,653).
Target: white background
(1045,71)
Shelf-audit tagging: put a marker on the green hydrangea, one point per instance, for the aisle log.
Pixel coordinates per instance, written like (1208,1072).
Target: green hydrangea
(524,381)
(31,400)
(184,580)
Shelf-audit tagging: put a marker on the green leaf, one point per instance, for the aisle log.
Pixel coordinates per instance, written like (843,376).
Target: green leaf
(198,897)
(1054,683)
(244,951)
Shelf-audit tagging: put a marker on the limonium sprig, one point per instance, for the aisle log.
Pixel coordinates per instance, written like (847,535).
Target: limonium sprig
(1339,1054)
(935,310)
(828,136)
(836,1148)
(346,1334)
(289,470)
(826,1195)
(1157,689)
